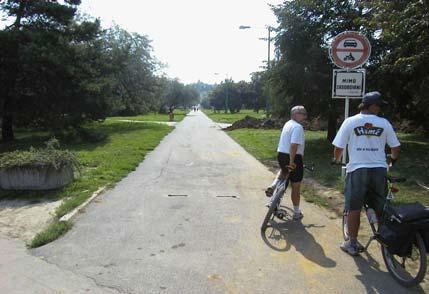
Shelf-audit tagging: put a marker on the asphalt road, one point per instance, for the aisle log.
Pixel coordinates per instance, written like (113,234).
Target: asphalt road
(188,221)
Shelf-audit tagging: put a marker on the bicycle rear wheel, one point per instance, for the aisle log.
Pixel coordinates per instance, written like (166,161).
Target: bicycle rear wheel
(410,270)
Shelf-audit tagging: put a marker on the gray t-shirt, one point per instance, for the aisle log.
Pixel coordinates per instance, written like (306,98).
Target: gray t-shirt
(292,133)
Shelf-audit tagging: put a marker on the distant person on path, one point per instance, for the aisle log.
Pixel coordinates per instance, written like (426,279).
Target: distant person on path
(366,135)
(171,115)
(290,152)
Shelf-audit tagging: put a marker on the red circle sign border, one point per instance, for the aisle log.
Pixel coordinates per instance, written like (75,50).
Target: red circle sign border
(350,34)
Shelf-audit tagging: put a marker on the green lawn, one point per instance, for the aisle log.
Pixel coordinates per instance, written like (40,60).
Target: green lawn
(222,117)
(178,116)
(413,164)
(103,164)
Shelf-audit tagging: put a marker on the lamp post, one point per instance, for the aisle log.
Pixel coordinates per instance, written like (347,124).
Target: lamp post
(269,28)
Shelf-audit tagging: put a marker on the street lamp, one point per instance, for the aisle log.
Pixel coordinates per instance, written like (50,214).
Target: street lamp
(269,28)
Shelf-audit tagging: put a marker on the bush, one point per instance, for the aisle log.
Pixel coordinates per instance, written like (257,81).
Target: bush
(75,135)
(49,156)
(92,136)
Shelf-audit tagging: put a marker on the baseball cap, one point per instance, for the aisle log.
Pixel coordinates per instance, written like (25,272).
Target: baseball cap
(373,98)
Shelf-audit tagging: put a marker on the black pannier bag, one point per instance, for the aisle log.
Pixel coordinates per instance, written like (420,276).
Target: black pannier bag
(400,224)
(397,237)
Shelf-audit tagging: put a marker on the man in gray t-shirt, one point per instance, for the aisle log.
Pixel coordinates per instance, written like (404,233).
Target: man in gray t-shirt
(366,136)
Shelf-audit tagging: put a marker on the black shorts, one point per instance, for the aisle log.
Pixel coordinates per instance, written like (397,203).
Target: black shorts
(298,173)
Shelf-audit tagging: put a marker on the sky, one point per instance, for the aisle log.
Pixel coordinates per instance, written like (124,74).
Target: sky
(196,39)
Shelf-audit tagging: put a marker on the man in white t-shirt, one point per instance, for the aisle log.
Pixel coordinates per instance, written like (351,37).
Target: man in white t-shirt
(290,152)
(366,136)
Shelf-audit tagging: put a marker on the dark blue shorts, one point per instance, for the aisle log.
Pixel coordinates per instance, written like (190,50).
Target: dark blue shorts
(366,185)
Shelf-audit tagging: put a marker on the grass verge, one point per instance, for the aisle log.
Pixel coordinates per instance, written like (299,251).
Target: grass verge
(230,118)
(103,164)
(413,164)
(178,116)
(51,233)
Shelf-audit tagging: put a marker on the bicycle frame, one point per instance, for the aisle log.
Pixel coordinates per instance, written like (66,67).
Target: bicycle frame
(274,209)
(280,192)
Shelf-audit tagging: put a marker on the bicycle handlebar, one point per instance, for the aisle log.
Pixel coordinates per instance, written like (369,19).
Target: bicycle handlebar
(391,179)
(333,162)
(309,167)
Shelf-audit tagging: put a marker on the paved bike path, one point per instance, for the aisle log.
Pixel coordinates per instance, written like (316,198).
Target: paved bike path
(187,221)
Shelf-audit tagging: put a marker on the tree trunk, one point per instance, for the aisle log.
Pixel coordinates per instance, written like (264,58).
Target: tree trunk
(7,111)
(6,128)
(332,125)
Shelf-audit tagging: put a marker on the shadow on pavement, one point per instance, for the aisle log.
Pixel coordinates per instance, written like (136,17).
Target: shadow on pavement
(377,281)
(280,236)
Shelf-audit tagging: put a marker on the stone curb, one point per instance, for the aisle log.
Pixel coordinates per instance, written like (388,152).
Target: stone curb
(73,213)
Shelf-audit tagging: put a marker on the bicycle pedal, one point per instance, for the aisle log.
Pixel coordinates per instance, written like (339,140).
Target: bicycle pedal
(281,214)
(269,192)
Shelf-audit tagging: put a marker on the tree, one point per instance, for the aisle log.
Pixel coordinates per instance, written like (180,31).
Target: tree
(258,85)
(397,31)
(247,94)
(46,67)
(133,68)
(302,75)
(401,45)
(217,98)
(174,94)
(202,88)
(227,96)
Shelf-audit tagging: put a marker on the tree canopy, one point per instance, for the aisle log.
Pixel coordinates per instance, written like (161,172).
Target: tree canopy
(399,35)
(60,70)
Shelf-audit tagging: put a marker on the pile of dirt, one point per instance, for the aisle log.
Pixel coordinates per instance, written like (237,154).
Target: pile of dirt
(250,122)
(316,124)
(409,127)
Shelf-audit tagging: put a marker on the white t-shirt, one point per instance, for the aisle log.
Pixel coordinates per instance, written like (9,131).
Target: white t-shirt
(292,133)
(366,136)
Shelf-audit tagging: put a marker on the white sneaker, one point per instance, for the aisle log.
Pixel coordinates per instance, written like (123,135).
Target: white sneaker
(350,248)
(297,216)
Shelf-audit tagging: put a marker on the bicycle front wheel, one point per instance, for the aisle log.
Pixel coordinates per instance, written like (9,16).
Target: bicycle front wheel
(345,227)
(409,270)
(272,209)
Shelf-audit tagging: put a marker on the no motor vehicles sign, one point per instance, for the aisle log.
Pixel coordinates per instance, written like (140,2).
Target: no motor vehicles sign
(350,50)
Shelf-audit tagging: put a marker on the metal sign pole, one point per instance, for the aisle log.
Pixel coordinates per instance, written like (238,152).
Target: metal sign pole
(342,47)
(346,115)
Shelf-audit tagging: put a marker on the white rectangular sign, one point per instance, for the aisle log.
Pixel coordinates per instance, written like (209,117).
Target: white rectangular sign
(348,84)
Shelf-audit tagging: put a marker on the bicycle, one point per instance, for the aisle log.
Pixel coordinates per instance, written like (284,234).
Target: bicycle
(274,209)
(409,268)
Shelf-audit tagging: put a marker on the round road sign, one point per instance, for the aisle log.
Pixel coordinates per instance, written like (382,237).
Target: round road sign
(350,50)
